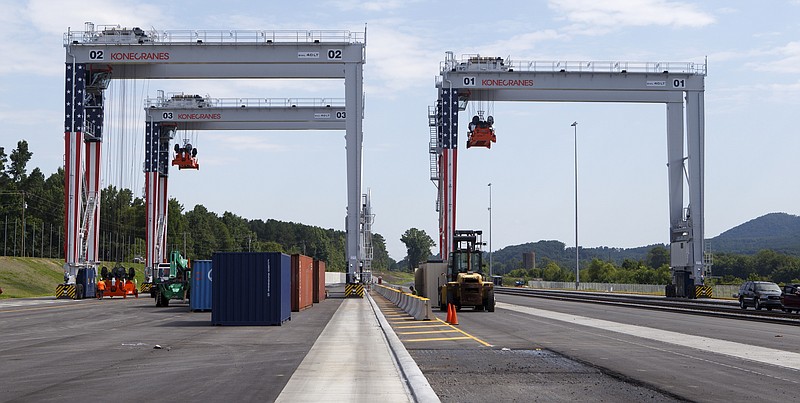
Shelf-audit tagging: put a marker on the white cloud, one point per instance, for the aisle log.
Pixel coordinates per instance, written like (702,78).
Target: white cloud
(374,5)
(787,60)
(54,17)
(398,61)
(601,16)
(520,45)
(34,29)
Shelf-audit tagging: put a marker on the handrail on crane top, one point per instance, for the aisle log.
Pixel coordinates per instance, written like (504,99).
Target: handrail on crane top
(117,34)
(472,62)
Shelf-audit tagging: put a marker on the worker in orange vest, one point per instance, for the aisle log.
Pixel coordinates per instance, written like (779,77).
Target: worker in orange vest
(101,286)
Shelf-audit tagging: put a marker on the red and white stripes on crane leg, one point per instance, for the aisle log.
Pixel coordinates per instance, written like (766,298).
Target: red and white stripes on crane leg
(449,163)
(162,216)
(151,217)
(73,156)
(93,149)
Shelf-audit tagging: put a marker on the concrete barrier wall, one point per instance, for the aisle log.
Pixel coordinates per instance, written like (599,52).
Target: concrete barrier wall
(416,306)
(335,277)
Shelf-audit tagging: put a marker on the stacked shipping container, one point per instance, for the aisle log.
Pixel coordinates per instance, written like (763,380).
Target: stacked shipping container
(200,291)
(319,281)
(250,288)
(302,282)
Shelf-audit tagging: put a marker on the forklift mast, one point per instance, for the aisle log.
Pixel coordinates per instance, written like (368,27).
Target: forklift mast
(466,255)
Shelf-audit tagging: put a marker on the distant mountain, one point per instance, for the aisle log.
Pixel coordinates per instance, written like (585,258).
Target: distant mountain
(510,257)
(776,231)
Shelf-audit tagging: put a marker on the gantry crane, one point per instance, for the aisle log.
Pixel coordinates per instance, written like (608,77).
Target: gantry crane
(96,56)
(165,115)
(680,86)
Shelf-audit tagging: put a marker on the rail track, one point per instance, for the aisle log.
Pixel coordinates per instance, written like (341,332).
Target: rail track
(704,307)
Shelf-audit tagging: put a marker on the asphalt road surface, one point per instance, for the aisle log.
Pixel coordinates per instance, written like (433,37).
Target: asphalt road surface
(528,350)
(64,350)
(565,351)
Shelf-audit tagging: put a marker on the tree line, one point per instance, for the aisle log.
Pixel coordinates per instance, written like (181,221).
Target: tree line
(727,268)
(32,214)
(32,217)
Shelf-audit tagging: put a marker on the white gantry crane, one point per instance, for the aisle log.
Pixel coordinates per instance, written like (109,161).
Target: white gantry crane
(96,56)
(680,86)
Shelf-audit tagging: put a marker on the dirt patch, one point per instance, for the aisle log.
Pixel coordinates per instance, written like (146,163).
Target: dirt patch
(524,376)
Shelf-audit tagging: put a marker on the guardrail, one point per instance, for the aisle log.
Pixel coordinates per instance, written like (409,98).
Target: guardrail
(718,291)
(416,306)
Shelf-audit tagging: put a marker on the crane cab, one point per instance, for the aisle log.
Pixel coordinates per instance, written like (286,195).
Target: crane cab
(185,157)
(481,132)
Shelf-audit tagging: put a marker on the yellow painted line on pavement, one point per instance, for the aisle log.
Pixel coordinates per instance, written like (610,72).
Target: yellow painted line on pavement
(440,339)
(469,336)
(430,332)
(425,324)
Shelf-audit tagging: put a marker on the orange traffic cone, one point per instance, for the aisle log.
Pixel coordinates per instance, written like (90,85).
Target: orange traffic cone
(454,319)
(449,313)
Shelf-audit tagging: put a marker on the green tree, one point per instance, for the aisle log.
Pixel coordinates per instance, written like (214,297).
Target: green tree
(19,160)
(553,272)
(599,271)
(178,229)
(380,257)
(657,257)
(419,245)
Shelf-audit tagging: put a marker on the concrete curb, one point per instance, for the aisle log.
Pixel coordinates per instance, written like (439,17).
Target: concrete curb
(418,384)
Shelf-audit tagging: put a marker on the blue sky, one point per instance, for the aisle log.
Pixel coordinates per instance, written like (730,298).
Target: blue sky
(752,95)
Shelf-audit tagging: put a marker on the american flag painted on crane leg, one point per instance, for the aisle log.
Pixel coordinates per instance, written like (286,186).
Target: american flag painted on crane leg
(73,158)
(82,149)
(157,140)
(448,168)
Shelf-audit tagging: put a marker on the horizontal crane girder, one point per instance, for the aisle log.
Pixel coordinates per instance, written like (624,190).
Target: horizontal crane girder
(252,118)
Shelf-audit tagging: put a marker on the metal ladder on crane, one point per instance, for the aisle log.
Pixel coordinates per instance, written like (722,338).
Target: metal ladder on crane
(87,223)
(434,150)
(367,219)
(159,253)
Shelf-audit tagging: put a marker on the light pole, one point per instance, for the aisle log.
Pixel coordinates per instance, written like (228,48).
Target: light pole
(577,260)
(490,231)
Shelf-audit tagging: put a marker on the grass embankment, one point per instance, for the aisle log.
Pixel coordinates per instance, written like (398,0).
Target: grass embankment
(23,277)
(395,277)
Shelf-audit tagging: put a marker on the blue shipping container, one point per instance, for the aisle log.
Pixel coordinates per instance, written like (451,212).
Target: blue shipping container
(250,288)
(200,293)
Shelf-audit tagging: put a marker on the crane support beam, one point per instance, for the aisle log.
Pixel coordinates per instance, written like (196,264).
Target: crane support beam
(246,117)
(680,86)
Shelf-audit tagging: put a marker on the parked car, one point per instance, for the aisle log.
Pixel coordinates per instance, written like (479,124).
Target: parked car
(790,298)
(760,294)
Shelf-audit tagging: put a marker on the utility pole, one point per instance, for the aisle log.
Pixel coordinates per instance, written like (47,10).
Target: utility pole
(577,260)
(23,224)
(490,231)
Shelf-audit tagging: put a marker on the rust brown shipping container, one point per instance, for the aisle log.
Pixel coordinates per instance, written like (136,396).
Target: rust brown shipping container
(319,281)
(302,282)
